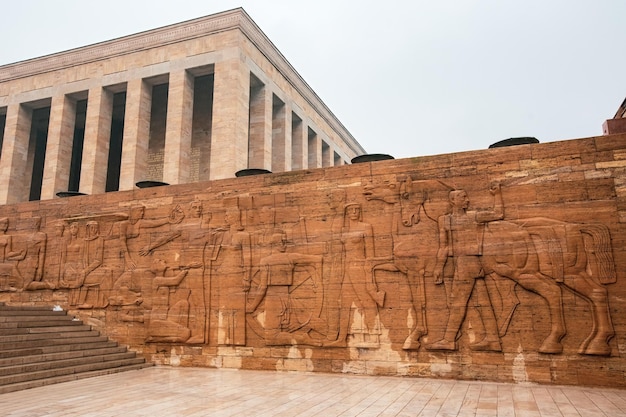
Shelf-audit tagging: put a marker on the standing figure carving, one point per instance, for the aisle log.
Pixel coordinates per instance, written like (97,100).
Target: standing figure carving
(358,243)
(10,278)
(194,237)
(31,266)
(72,273)
(230,274)
(96,280)
(461,242)
(337,317)
(55,266)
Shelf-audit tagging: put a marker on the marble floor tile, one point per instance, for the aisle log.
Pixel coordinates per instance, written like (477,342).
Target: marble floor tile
(196,392)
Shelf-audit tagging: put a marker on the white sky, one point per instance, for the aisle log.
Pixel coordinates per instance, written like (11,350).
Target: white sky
(406,77)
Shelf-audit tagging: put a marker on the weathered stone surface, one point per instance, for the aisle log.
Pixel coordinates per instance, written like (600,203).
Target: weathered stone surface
(377,268)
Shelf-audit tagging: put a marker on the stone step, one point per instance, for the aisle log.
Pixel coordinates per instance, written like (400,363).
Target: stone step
(14,311)
(102,343)
(41,323)
(24,309)
(39,346)
(50,329)
(48,335)
(29,357)
(21,325)
(69,377)
(36,318)
(12,345)
(64,363)
(75,369)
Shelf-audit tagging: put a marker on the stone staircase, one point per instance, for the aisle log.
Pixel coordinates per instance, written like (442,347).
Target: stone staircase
(39,346)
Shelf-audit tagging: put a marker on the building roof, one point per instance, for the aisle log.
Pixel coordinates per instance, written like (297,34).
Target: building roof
(183,31)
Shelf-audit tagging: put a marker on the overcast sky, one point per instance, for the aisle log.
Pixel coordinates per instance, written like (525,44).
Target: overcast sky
(406,78)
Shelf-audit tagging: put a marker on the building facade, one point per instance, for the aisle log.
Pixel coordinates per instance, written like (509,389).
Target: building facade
(194,101)
(503,264)
(618,123)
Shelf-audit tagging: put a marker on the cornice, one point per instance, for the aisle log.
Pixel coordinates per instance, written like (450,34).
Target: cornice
(228,20)
(128,44)
(267,48)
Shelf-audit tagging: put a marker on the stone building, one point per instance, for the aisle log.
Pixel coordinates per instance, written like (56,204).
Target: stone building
(194,101)
(617,124)
(503,264)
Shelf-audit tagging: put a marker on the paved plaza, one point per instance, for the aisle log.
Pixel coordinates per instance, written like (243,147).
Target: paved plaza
(170,391)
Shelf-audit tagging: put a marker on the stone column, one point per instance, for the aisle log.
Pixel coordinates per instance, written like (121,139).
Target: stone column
(281,138)
(177,158)
(15,180)
(229,138)
(93,173)
(315,149)
(337,160)
(136,134)
(56,171)
(327,160)
(260,134)
(299,151)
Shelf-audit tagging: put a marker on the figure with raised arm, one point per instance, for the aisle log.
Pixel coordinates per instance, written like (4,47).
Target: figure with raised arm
(460,242)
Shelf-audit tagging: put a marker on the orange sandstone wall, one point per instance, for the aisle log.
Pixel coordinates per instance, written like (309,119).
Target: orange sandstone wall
(503,264)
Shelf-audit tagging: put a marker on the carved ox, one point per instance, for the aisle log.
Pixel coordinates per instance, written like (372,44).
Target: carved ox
(414,250)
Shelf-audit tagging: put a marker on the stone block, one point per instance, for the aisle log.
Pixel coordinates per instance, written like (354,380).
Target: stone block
(336,269)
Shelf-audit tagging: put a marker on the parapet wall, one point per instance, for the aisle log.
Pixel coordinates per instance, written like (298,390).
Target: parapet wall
(375,268)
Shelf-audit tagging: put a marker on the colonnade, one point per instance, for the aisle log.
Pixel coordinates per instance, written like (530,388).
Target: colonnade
(170,123)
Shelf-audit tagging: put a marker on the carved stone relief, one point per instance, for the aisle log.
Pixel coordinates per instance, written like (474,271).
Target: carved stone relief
(10,279)
(283,321)
(170,307)
(230,276)
(29,266)
(358,271)
(461,242)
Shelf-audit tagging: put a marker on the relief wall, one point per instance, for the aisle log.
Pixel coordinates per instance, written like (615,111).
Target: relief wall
(503,265)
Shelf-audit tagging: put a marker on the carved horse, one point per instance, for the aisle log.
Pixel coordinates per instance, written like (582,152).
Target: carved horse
(414,254)
(579,258)
(542,256)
